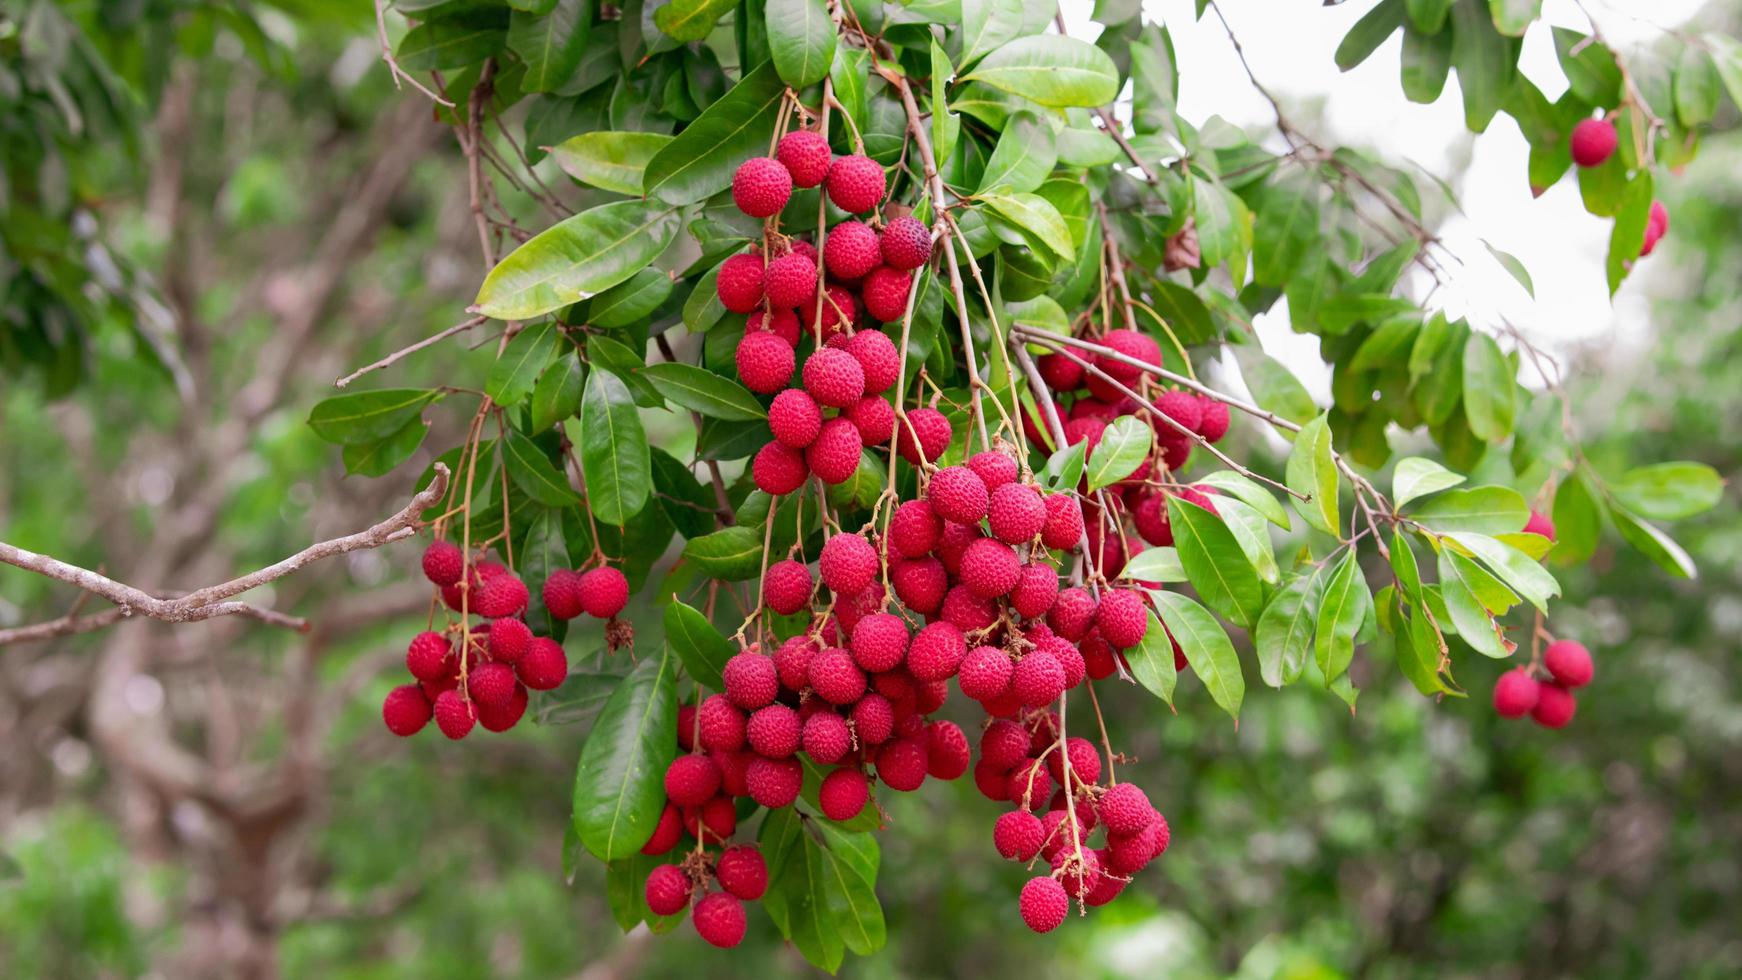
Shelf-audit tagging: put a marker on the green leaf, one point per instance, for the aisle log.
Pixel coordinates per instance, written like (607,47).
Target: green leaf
(380,457)
(701,647)
(362,417)
(631,300)
(577,702)
(1273,386)
(733,553)
(1312,472)
(1215,210)
(690,20)
(1578,518)
(1428,15)
(626,363)
(514,375)
(1654,544)
(1487,63)
(620,781)
(1416,477)
(1284,635)
(848,893)
(946,126)
(1207,649)
(704,391)
(1024,156)
(1286,228)
(540,548)
(1469,616)
(1215,563)
(1151,661)
(1249,491)
(453,39)
(1592,72)
(1122,449)
(1627,235)
(1427,60)
(1513,267)
(699,162)
(1696,87)
(849,71)
(613,450)
(1369,33)
(550,45)
(1064,468)
(1155,565)
(558,393)
(1669,491)
(1484,510)
(1036,216)
(609,160)
(1727,59)
(801,39)
(1050,70)
(987,25)
(1341,610)
(1420,652)
(533,473)
(1490,400)
(1511,17)
(1517,569)
(576,258)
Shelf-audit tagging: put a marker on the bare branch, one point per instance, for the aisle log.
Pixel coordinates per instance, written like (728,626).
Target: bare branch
(406,351)
(208,602)
(393,64)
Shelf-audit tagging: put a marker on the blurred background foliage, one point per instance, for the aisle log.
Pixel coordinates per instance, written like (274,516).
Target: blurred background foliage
(176,167)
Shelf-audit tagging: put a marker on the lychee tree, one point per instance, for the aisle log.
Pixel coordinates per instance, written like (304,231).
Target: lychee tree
(952,301)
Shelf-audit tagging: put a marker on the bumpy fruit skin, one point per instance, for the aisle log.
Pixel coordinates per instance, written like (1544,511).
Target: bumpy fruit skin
(500,595)
(874,418)
(932,430)
(562,594)
(429,656)
(668,890)
(967,611)
(840,310)
(1121,618)
(739,284)
(1540,523)
(750,680)
(786,587)
(877,357)
(1569,663)
(946,750)
(405,710)
(780,323)
(794,418)
(491,684)
(958,494)
(691,780)
(742,872)
(826,738)
(1592,141)
(1060,373)
(1515,693)
(1044,904)
(1017,835)
(990,568)
(779,469)
(805,154)
(914,528)
(454,715)
(1073,612)
(1555,706)
(764,362)
(501,717)
(936,652)
(604,592)
(835,677)
(843,794)
(834,378)
(1064,522)
(851,250)
(834,456)
(1183,407)
(544,665)
(985,673)
(1149,517)
(920,583)
(1133,344)
(848,563)
(721,724)
(790,280)
(1038,680)
(666,833)
(906,243)
(873,719)
(1215,423)
(774,783)
(994,468)
(880,642)
(443,562)
(1016,513)
(792,662)
(774,731)
(901,764)
(720,920)
(1125,809)
(856,183)
(761,187)
(686,727)
(885,293)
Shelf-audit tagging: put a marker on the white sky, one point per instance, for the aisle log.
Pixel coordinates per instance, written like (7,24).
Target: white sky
(1290,44)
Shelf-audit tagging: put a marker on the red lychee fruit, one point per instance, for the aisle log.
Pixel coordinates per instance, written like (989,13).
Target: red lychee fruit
(1515,693)
(668,890)
(932,431)
(1540,523)
(834,456)
(826,738)
(848,563)
(790,280)
(1036,589)
(721,724)
(880,642)
(454,715)
(1555,706)
(781,323)
(856,183)
(562,594)
(443,562)
(1038,679)
(405,710)
(500,595)
(764,362)
(779,469)
(1568,662)
(1044,904)
(1125,809)
(1063,528)
(691,780)
(985,673)
(1017,835)
(1073,612)
(1016,513)
(946,750)
(990,568)
(604,592)
(430,656)
(761,187)
(839,311)
(544,666)
(1215,423)
(1181,406)
(742,872)
(774,783)
(1121,618)
(914,528)
(920,583)
(873,719)
(786,587)
(958,494)
(794,418)
(720,920)
(885,293)
(666,833)
(835,677)
(1592,141)
(877,357)
(936,652)
(851,250)
(843,794)
(805,154)
(906,243)
(874,418)
(750,680)
(739,283)
(901,764)
(491,684)
(834,378)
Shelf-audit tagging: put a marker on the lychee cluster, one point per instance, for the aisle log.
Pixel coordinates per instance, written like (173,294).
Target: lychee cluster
(1545,691)
(502,658)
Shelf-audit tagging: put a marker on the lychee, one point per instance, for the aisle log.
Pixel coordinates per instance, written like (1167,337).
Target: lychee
(885,292)
(443,562)
(874,418)
(985,673)
(901,764)
(936,652)
(856,183)
(764,362)
(1063,528)
(834,456)
(544,665)
(794,418)
(851,250)
(906,243)
(562,594)
(826,738)
(604,592)
(990,568)
(931,430)
(429,656)
(1015,512)
(691,780)
(405,710)
(790,280)
(720,920)
(958,494)
(721,724)
(1555,706)
(946,750)
(668,890)
(1568,662)
(739,282)
(750,680)
(835,677)
(880,642)
(805,154)
(834,378)
(454,715)
(1592,141)
(1515,693)
(843,794)
(774,783)
(1121,617)
(761,187)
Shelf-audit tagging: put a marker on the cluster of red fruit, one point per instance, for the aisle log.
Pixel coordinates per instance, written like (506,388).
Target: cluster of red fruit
(777,285)
(1593,141)
(1095,403)
(1548,699)
(503,658)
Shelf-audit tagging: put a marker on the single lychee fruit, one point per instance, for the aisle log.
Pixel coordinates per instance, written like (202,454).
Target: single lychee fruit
(794,418)
(742,872)
(877,357)
(1036,589)
(805,154)
(946,750)
(764,362)
(430,656)
(786,587)
(500,595)
(1125,809)
(1515,693)
(843,794)
(834,456)
(454,715)
(739,282)
(840,310)
(761,187)
(691,780)
(936,652)
(901,764)
(720,920)
(958,494)
(835,677)
(1215,423)
(914,528)
(443,562)
(1073,612)
(721,724)
(750,680)
(790,280)
(686,727)
(1121,618)
(968,611)
(1044,904)
(1063,528)
(1017,835)
(880,642)
(509,640)
(1592,141)
(1003,744)
(405,710)
(1038,680)
(851,250)
(856,183)
(906,243)
(1016,513)
(826,738)
(834,378)
(848,563)
(779,469)
(666,833)
(920,583)
(985,673)
(874,418)
(1540,523)
(990,568)
(562,594)
(1555,706)
(1568,662)
(1060,373)
(604,592)
(1029,784)
(774,783)
(994,468)
(792,662)
(873,719)
(491,683)
(544,666)
(1181,406)
(932,431)
(885,292)
(668,890)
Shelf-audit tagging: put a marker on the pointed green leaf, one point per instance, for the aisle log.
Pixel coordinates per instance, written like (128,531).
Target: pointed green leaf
(1155,565)
(701,647)
(558,394)
(1207,649)
(363,417)
(1485,510)
(515,374)
(1151,661)
(700,161)
(1283,637)
(1369,33)
(801,39)
(732,553)
(614,458)
(550,45)
(1341,610)
(1654,544)
(1050,70)
(1517,569)
(1471,619)
(576,258)
(380,457)
(704,391)
(1122,449)
(608,160)
(1215,563)
(1669,491)
(533,473)
(1250,492)
(620,781)
(1416,477)
(1312,472)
